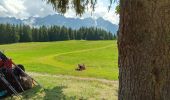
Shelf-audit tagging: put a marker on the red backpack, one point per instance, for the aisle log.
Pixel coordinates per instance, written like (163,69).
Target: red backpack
(6,63)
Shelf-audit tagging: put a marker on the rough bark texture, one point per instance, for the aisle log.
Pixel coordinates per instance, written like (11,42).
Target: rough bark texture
(144,50)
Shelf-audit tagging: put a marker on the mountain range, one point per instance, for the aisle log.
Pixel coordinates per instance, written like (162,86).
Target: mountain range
(60,20)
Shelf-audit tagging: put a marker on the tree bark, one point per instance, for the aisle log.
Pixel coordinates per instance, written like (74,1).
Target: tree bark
(144,50)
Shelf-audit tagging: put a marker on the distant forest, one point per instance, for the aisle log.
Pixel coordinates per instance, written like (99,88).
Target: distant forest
(24,33)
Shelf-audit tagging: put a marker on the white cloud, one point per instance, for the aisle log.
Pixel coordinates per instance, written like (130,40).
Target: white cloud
(14,8)
(112,16)
(2,9)
(42,9)
(103,11)
(26,8)
(38,8)
(100,11)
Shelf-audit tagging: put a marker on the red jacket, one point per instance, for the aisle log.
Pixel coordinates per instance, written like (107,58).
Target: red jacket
(7,63)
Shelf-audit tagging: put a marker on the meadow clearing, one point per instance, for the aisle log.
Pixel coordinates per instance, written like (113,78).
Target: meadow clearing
(53,65)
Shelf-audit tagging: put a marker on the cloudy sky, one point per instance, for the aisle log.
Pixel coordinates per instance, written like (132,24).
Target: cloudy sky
(23,9)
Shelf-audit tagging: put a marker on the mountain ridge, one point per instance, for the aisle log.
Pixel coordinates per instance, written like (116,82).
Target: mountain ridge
(60,20)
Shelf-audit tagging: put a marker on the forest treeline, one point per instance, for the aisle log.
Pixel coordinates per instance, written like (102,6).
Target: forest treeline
(24,33)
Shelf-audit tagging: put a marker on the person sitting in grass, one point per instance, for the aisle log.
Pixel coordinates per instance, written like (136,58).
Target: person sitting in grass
(81,67)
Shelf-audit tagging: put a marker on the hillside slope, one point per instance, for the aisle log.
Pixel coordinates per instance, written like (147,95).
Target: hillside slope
(61,58)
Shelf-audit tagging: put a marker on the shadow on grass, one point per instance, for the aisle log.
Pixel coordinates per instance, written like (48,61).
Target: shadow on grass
(32,93)
(56,93)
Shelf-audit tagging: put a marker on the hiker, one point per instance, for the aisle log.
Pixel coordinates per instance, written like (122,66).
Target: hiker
(81,67)
(13,79)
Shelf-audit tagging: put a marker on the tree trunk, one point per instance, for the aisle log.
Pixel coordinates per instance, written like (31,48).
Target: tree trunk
(144,50)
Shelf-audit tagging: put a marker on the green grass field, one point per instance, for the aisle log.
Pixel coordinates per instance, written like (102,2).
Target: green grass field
(100,57)
(71,88)
(54,66)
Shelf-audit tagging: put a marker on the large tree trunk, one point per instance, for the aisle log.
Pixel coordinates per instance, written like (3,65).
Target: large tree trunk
(144,50)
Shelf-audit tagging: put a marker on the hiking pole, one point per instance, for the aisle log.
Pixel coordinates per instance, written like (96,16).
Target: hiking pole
(17,81)
(9,85)
(31,78)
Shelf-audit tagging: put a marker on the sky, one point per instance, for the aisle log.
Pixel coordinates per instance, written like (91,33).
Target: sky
(23,9)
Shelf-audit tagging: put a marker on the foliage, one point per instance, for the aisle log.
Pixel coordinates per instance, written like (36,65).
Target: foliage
(79,6)
(24,33)
(118,9)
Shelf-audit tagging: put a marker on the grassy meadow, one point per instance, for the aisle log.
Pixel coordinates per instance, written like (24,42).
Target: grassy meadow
(71,88)
(100,57)
(53,65)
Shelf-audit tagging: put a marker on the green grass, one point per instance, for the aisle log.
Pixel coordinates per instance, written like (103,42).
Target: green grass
(53,65)
(71,88)
(58,58)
